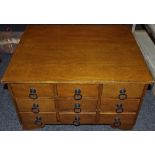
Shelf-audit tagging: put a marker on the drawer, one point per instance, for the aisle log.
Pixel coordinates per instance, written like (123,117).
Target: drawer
(77,90)
(117,119)
(32,90)
(69,104)
(119,106)
(77,119)
(37,120)
(35,106)
(123,90)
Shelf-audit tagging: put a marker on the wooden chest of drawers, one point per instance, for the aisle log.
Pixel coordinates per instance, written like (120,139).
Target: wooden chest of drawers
(77,74)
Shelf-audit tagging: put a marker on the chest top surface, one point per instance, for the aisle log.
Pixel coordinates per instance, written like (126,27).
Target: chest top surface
(77,53)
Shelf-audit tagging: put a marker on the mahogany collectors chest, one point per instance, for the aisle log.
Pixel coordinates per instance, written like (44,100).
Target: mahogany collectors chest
(77,74)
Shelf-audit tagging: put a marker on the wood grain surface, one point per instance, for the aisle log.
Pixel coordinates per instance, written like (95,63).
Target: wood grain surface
(77,54)
(110,105)
(68,104)
(44,104)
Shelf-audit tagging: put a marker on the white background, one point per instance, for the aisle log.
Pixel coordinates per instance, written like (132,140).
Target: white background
(75,143)
(77,11)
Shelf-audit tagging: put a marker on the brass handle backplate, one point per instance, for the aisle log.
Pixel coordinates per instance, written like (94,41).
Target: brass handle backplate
(77,108)
(117,122)
(33,93)
(77,95)
(122,95)
(76,122)
(35,108)
(119,108)
(38,121)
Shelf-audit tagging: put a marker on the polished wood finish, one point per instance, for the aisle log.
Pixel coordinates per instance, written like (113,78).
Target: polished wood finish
(77,54)
(110,105)
(53,63)
(28,119)
(85,118)
(23,90)
(87,90)
(124,118)
(68,104)
(132,90)
(44,104)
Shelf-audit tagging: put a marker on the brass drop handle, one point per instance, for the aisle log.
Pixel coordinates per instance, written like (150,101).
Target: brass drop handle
(122,95)
(38,121)
(117,122)
(33,93)
(35,108)
(77,108)
(76,122)
(77,95)
(119,108)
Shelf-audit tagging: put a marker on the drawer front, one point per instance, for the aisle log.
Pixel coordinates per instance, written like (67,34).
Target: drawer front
(119,106)
(37,120)
(72,90)
(122,91)
(77,119)
(68,104)
(117,118)
(35,106)
(32,90)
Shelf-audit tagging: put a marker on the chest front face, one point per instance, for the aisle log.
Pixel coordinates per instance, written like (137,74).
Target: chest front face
(77,74)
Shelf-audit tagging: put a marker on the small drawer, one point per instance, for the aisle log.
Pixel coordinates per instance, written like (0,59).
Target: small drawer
(77,119)
(77,91)
(35,106)
(69,104)
(32,91)
(122,91)
(119,106)
(117,120)
(30,120)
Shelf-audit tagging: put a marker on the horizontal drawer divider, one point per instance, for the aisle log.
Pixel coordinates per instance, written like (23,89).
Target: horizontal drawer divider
(128,98)
(39,97)
(63,112)
(123,113)
(71,97)
(37,113)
